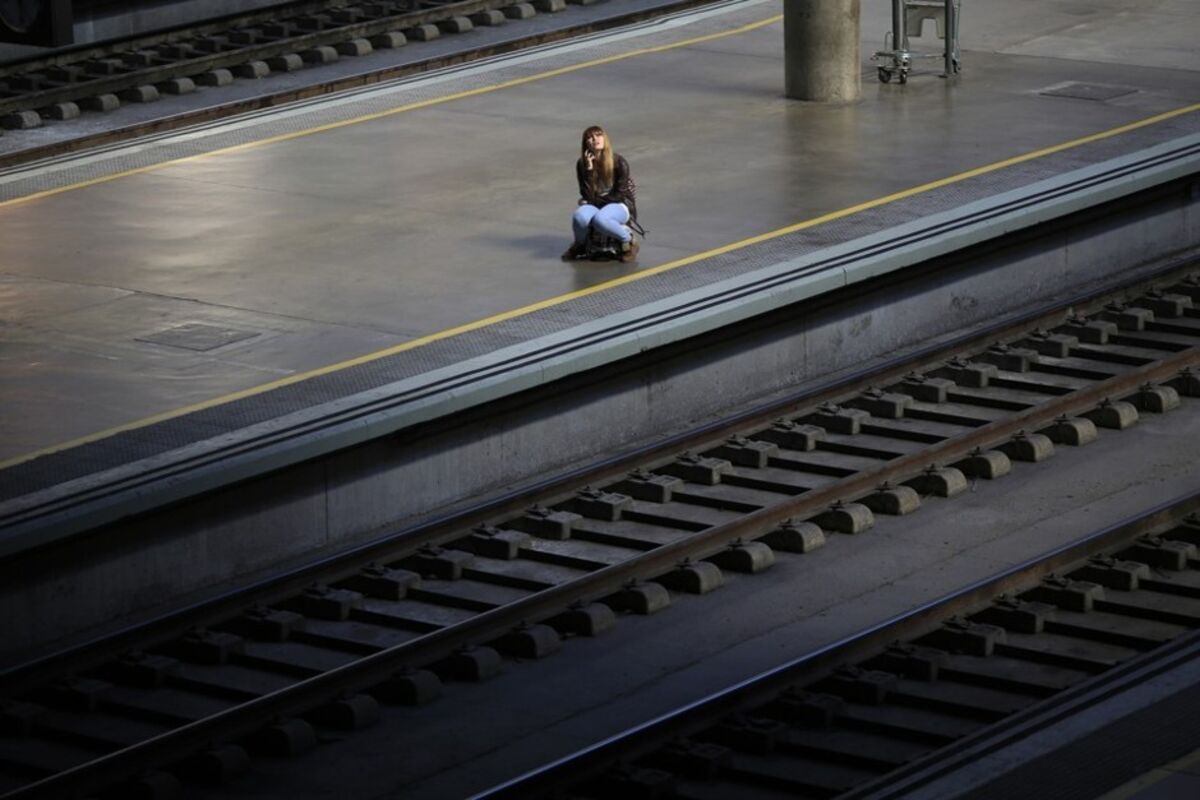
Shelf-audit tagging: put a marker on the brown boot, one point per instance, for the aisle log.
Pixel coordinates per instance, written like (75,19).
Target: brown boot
(629,251)
(573,252)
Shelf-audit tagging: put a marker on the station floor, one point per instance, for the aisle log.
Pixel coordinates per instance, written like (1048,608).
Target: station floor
(159,292)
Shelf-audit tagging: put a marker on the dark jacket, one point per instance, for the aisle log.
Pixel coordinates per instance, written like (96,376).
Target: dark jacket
(623,189)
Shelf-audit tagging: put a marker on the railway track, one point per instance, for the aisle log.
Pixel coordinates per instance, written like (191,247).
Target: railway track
(253,45)
(194,694)
(889,712)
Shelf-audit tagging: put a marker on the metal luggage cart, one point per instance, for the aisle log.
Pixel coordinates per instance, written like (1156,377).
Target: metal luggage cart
(909,15)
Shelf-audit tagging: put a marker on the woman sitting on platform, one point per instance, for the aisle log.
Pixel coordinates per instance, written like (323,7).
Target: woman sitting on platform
(606,197)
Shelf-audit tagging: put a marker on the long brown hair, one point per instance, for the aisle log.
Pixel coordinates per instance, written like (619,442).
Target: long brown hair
(602,174)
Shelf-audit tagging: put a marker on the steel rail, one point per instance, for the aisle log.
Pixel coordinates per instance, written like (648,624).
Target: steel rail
(254,52)
(306,695)
(754,691)
(87,51)
(329,85)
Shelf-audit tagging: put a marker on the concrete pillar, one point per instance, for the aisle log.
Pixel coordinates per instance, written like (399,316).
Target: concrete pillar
(821,51)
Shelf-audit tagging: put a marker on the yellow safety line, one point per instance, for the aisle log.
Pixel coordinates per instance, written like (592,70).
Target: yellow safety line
(398,110)
(563,298)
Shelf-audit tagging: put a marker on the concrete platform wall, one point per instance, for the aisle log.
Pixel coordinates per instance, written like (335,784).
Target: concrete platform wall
(199,548)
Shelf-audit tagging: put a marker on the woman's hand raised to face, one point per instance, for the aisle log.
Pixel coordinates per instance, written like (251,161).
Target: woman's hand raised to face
(590,158)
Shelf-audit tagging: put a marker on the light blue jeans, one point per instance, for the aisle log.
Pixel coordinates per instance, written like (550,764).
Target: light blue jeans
(609,220)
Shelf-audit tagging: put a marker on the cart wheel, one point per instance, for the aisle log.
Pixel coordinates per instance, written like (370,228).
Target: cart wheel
(903,76)
(885,75)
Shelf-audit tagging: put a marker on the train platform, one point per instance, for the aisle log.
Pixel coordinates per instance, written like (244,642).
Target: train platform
(394,249)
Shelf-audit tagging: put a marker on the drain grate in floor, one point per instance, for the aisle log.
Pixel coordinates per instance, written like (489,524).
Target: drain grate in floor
(1087,91)
(197,336)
